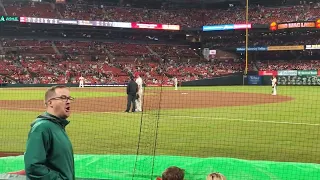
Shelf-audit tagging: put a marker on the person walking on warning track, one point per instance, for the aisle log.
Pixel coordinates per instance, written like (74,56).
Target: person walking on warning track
(274,85)
(49,152)
(139,99)
(81,83)
(175,81)
(132,90)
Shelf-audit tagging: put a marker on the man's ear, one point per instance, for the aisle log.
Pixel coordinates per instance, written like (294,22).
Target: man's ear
(48,103)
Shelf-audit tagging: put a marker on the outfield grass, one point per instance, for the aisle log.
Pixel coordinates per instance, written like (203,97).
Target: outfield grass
(29,94)
(286,131)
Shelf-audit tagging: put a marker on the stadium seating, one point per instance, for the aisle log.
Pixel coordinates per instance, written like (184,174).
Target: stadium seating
(187,17)
(184,17)
(101,62)
(29,9)
(266,39)
(288,65)
(38,61)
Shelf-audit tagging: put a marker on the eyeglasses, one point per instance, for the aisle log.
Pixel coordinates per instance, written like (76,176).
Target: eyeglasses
(63,98)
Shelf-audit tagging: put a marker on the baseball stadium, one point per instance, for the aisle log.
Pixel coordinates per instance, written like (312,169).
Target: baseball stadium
(227,87)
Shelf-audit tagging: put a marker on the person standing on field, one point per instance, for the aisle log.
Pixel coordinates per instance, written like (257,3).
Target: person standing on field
(49,152)
(81,83)
(175,81)
(132,90)
(139,100)
(274,85)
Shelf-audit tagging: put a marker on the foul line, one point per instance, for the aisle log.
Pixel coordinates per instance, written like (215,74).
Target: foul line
(37,109)
(245,120)
(192,117)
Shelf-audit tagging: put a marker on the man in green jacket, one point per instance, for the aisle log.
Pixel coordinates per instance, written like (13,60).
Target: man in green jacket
(49,152)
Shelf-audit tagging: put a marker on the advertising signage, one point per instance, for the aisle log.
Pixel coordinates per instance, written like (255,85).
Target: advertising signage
(133,25)
(290,25)
(315,46)
(136,25)
(226,27)
(252,49)
(9,18)
(296,25)
(254,80)
(307,73)
(288,73)
(285,48)
(299,80)
(268,73)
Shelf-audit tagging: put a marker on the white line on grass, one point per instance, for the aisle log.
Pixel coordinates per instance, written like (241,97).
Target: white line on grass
(37,109)
(192,117)
(245,120)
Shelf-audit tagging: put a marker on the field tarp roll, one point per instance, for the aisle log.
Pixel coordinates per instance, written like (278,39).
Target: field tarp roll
(103,167)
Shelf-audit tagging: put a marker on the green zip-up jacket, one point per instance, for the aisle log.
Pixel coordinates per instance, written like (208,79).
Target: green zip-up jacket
(49,152)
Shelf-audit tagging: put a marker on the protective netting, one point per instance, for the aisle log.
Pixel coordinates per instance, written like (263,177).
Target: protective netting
(200,125)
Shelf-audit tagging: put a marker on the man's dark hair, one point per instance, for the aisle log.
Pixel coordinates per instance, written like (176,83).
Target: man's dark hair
(173,173)
(52,91)
(131,77)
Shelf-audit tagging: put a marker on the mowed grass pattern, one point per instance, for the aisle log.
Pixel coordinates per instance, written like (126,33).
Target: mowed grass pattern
(288,131)
(30,94)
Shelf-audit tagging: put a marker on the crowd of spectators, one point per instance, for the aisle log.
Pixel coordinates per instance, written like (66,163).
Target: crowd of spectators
(185,17)
(31,70)
(263,39)
(29,9)
(65,61)
(288,65)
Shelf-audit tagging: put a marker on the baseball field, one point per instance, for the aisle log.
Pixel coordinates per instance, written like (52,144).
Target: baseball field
(242,131)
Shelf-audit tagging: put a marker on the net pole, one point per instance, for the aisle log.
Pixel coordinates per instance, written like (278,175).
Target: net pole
(246,50)
(247,35)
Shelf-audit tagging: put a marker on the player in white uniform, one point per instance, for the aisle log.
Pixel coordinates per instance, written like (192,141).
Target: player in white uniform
(139,101)
(81,84)
(274,85)
(175,81)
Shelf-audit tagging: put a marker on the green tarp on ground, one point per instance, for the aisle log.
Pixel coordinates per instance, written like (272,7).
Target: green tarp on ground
(122,167)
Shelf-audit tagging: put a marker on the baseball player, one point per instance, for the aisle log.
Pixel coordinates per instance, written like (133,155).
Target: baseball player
(139,100)
(274,85)
(175,81)
(81,84)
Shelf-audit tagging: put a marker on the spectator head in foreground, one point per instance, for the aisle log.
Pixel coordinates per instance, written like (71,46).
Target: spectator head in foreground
(173,173)
(216,176)
(57,101)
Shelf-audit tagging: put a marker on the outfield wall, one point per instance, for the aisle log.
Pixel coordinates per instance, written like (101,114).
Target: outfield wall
(233,79)
(253,78)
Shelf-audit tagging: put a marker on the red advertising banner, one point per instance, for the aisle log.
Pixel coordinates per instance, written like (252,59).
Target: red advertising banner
(268,73)
(318,72)
(136,25)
